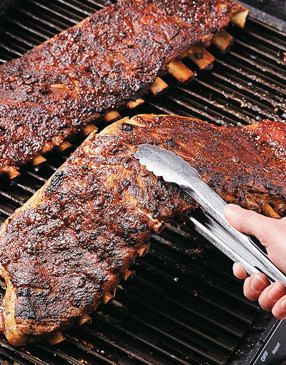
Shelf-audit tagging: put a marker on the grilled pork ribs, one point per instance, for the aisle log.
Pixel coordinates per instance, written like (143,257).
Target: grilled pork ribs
(70,244)
(108,59)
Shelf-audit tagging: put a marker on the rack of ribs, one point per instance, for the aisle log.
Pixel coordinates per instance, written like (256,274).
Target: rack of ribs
(104,62)
(67,248)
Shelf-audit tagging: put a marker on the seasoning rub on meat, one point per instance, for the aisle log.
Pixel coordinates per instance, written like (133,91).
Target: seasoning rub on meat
(105,61)
(66,249)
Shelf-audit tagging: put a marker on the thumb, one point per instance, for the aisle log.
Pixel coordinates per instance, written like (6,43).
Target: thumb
(252,223)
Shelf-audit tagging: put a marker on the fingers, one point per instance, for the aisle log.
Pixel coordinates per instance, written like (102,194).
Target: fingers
(271,295)
(254,286)
(252,223)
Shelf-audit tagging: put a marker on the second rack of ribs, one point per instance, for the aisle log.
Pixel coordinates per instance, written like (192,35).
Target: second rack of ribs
(108,59)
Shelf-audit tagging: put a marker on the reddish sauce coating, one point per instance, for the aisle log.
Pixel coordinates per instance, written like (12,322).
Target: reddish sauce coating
(69,245)
(111,57)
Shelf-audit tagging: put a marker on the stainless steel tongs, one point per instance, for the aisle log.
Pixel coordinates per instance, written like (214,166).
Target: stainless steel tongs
(237,246)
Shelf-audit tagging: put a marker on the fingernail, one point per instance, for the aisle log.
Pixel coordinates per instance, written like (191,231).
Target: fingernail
(275,292)
(257,284)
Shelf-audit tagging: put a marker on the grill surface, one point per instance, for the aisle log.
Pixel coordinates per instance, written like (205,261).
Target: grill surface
(183,306)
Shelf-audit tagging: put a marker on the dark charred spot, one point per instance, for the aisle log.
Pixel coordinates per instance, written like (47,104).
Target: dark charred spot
(56,181)
(24,292)
(170,143)
(128,238)
(77,122)
(44,90)
(125,183)
(94,236)
(27,313)
(88,69)
(126,127)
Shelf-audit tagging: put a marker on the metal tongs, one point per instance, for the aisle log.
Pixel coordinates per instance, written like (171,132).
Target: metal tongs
(234,244)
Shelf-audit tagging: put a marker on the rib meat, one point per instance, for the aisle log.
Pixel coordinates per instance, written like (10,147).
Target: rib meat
(68,246)
(113,56)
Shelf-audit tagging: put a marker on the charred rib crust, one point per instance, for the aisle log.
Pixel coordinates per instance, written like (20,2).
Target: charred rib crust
(111,57)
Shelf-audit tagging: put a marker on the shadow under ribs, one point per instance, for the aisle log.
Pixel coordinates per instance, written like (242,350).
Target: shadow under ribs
(67,248)
(107,60)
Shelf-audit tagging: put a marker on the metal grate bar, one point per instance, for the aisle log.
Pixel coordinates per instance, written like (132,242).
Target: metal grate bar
(261,66)
(184,291)
(50,27)
(27,358)
(261,51)
(65,19)
(83,8)
(156,346)
(170,340)
(223,341)
(60,354)
(110,342)
(97,355)
(191,310)
(275,89)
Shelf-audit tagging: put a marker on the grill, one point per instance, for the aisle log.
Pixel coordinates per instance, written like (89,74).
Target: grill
(183,306)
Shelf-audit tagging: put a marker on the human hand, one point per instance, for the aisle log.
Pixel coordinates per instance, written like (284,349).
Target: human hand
(272,234)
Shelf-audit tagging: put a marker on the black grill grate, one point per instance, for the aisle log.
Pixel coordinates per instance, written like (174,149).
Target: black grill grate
(183,306)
